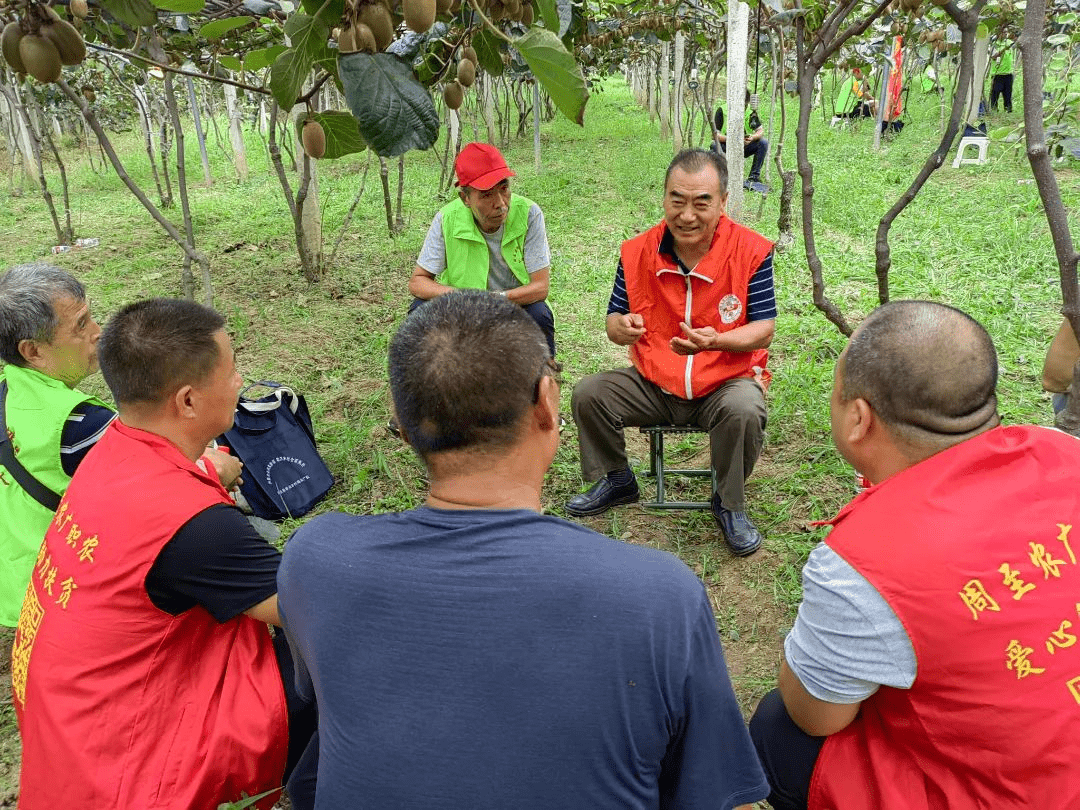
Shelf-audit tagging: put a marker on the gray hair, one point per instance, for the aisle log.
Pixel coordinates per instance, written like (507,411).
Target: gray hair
(28,293)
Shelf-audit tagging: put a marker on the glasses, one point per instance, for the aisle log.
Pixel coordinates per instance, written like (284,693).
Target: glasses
(549,368)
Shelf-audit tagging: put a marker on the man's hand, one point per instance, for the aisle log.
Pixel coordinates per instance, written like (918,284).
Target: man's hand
(227,467)
(696,340)
(625,330)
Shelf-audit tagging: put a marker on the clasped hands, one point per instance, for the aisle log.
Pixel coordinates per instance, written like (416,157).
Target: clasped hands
(627,329)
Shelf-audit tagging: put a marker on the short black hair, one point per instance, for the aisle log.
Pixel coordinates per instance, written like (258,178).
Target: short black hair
(28,297)
(928,370)
(151,348)
(463,372)
(694,160)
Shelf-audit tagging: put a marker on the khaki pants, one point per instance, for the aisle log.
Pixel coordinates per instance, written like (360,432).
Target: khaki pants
(734,416)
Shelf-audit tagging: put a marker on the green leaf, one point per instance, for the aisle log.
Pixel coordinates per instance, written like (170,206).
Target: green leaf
(549,13)
(246,802)
(231,63)
(341,130)
(334,10)
(180,6)
(291,69)
(1057,39)
(1000,133)
(263,57)
(134,12)
(215,29)
(393,111)
(488,54)
(555,68)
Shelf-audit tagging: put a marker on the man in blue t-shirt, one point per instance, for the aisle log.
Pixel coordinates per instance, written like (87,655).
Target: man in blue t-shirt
(474,652)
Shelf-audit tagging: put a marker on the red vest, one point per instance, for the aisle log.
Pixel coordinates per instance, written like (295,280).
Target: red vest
(121,705)
(974,551)
(714,294)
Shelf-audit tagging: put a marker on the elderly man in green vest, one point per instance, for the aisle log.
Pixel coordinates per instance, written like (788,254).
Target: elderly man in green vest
(48,342)
(487,239)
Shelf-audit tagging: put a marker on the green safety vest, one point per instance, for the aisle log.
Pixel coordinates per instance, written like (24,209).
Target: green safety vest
(1004,63)
(848,97)
(37,408)
(467,250)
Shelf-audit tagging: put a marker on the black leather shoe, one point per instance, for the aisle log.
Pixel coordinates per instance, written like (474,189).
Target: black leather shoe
(602,496)
(739,532)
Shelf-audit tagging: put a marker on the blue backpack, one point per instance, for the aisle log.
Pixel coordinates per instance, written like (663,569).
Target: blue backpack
(284,475)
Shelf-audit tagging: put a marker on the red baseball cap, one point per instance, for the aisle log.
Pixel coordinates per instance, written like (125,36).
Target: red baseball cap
(481,166)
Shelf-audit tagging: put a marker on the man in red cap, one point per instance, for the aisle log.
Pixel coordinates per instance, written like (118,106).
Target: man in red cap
(487,239)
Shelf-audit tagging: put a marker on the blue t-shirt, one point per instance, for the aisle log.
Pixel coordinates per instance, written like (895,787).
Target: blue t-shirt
(496,659)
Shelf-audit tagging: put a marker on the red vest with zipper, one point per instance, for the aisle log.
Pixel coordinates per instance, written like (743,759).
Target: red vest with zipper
(121,705)
(713,294)
(992,720)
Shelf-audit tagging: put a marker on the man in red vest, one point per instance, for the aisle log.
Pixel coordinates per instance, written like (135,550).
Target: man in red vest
(934,662)
(693,300)
(143,671)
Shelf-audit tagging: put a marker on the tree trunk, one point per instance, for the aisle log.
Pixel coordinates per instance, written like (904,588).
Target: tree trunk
(200,135)
(236,133)
(968,22)
(34,137)
(1031,56)
(190,253)
(536,125)
(665,90)
(185,204)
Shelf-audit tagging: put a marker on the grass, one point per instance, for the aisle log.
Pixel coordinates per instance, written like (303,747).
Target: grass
(975,238)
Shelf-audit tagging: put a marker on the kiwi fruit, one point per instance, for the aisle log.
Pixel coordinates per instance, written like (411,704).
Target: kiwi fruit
(346,40)
(9,44)
(453,95)
(419,14)
(377,18)
(69,42)
(468,52)
(89,93)
(527,15)
(314,139)
(364,38)
(40,57)
(80,8)
(441,6)
(466,73)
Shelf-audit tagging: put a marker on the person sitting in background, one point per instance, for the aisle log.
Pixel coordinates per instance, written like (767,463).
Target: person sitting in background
(476,653)
(854,99)
(143,671)
(693,302)
(943,600)
(754,142)
(487,239)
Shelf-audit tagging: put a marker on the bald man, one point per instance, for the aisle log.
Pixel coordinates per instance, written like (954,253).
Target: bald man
(934,661)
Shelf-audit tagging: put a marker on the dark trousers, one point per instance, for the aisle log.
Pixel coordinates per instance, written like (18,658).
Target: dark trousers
(734,415)
(303,758)
(787,753)
(759,149)
(539,311)
(1001,85)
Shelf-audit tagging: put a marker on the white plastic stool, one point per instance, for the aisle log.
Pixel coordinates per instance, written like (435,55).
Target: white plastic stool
(981,143)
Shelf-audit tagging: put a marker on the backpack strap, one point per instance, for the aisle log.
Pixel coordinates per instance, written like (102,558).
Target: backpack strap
(34,488)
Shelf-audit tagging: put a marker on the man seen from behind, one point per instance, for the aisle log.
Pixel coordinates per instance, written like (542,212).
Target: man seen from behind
(934,659)
(144,673)
(474,652)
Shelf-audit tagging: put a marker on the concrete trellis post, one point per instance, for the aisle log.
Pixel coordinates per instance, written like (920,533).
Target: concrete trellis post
(738,30)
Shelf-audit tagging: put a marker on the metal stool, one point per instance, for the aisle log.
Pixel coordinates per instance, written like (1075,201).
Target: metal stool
(658,470)
(979,143)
